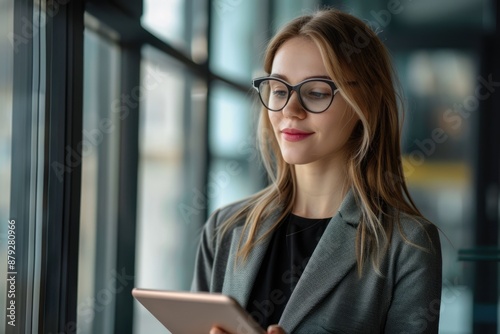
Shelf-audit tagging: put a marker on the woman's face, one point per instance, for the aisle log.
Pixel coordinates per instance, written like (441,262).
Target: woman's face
(321,137)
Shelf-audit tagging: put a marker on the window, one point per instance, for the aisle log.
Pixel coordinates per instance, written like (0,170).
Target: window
(22,87)
(233,172)
(163,180)
(98,221)
(6,78)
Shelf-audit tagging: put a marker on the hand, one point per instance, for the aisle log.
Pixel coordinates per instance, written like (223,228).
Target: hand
(273,329)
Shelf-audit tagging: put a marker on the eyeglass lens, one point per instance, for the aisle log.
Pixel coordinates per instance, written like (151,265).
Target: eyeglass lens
(315,96)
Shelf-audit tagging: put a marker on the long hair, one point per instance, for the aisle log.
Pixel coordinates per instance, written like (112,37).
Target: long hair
(351,51)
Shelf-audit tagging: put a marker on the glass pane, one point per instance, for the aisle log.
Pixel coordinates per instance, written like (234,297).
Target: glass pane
(165,18)
(182,24)
(438,148)
(22,138)
(161,231)
(238,38)
(231,120)
(286,10)
(99,186)
(6,83)
(233,173)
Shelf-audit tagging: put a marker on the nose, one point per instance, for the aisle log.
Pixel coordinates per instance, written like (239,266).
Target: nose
(294,108)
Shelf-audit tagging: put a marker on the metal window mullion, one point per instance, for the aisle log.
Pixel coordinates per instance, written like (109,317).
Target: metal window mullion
(38,123)
(22,166)
(61,217)
(130,64)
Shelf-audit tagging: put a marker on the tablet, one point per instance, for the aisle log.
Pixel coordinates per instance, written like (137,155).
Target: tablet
(197,312)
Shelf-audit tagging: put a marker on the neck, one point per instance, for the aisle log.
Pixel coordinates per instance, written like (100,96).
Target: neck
(320,189)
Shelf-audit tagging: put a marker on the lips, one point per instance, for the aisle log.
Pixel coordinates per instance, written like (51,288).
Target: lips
(291,134)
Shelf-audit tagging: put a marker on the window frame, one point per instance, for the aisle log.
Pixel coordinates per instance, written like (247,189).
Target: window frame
(61,217)
(22,164)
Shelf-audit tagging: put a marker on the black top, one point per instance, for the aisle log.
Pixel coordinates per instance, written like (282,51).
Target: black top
(290,248)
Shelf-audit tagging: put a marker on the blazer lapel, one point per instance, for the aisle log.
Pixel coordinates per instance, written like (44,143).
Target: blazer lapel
(332,259)
(240,278)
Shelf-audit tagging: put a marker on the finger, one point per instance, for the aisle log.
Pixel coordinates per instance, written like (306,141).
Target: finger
(216,330)
(275,329)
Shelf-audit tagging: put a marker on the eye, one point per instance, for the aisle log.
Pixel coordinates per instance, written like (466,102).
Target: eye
(278,90)
(316,90)
(318,95)
(280,93)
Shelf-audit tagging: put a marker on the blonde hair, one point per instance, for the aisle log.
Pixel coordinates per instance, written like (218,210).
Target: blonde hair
(351,51)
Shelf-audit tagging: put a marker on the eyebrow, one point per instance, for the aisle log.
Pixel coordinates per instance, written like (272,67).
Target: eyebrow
(283,77)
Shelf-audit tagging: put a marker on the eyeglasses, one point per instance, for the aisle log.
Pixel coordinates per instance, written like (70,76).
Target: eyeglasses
(315,95)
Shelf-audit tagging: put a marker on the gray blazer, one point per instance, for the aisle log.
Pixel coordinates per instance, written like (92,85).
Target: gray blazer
(330,297)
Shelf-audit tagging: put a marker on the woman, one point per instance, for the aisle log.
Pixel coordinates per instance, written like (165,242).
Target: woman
(334,244)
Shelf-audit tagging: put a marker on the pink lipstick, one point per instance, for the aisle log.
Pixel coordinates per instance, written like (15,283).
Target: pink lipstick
(290,134)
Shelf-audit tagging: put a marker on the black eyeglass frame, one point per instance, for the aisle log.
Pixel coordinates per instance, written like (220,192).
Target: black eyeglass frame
(296,88)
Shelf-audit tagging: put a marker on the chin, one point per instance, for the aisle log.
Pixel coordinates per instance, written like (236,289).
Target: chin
(296,160)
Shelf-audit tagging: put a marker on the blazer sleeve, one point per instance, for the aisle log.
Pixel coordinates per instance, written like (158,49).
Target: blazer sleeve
(416,296)
(204,262)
